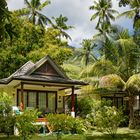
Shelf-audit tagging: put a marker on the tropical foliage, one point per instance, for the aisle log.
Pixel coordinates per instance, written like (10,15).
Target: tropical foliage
(109,60)
(108,120)
(25,123)
(133,13)
(60,24)
(3,17)
(7,120)
(66,124)
(103,11)
(33,11)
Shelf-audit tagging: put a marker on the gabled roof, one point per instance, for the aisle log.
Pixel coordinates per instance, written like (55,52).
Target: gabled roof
(24,69)
(29,72)
(21,71)
(52,63)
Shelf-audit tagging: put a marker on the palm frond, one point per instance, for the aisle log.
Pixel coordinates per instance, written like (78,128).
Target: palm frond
(72,70)
(94,16)
(27,3)
(102,67)
(44,18)
(86,72)
(66,35)
(130,14)
(47,2)
(22,12)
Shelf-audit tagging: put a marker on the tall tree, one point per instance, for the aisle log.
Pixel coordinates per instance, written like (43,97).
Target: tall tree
(60,24)
(103,11)
(123,2)
(34,12)
(133,13)
(126,65)
(85,54)
(3,15)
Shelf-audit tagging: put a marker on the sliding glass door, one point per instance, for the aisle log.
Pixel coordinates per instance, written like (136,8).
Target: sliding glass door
(52,102)
(32,96)
(42,100)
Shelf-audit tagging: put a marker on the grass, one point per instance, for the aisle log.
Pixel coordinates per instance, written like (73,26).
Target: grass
(123,134)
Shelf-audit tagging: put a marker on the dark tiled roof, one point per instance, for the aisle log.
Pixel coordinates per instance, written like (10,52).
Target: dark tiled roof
(25,73)
(21,71)
(24,69)
(49,79)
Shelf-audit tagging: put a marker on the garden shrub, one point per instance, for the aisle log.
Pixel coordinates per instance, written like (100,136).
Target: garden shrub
(7,119)
(25,123)
(65,123)
(108,119)
(84,106)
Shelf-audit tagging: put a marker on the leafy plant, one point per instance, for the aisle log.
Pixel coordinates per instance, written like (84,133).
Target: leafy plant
(108,119)
(25,123)
(7,120)
(65,123)
(84,106)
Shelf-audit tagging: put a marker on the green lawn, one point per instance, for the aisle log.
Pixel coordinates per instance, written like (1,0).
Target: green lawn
(123,134)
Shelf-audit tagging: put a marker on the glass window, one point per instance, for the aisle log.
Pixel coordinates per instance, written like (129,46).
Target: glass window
(24,98)
(42,100)
(51,102)
(120,102)
(32,99)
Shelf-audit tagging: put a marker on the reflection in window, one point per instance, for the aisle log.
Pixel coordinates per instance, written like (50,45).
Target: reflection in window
(32,99)
(42,100)
(51,102)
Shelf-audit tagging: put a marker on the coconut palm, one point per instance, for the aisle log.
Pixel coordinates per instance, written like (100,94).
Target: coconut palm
(133,13)
(34,12)
(85,54)
(3,14)
(60,24)
(123,61)
(103,11)
(123,2)
(113,83)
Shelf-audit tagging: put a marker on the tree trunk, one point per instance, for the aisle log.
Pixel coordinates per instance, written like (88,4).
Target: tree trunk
(131,113)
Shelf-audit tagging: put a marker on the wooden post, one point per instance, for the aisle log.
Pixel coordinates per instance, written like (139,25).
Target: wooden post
(72,103)
(21,99)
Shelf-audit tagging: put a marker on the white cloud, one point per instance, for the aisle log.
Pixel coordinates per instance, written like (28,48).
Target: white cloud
(15,4)
(78,14)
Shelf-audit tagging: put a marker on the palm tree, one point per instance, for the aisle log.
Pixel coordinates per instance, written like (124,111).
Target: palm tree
(123,61)
(114,83)
(60,24)
(103,11)
(123,2)
(85,54)
(3,15)
(133,13)
(34,12)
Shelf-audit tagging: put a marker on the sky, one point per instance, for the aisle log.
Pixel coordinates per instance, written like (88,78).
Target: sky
(78,14)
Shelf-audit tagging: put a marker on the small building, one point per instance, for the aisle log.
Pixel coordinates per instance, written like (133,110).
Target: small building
(40,85)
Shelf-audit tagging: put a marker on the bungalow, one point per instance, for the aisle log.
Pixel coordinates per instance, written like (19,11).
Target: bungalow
(40,85)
